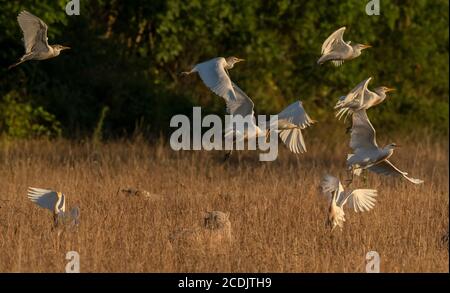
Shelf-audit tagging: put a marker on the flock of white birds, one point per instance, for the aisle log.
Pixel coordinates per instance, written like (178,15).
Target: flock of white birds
(367,155)
(291,121)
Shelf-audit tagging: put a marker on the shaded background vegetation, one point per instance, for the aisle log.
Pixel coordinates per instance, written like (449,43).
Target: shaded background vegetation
(123,68)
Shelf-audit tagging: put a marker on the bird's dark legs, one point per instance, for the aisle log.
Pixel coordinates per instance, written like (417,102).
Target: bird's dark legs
(229,152)
(349,128)
(184,73)
(349,181)
(227,155)
(365,176)
(22,59)
(15,64)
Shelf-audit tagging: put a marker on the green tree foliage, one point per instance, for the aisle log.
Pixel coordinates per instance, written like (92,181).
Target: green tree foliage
(21,120)
(127,56)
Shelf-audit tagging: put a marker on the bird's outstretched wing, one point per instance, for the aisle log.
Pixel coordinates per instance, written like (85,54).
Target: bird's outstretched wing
(43,197)
(334,47)
(356,96)
(296,115)
(331,184)
(213,74)
(361,200)
(293,139)
(362,132)
(335,42)
(242,105)
(34,32)
(291,121)
(388,169)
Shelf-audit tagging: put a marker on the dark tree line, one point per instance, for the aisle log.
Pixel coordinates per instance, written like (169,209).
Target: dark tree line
(126,58)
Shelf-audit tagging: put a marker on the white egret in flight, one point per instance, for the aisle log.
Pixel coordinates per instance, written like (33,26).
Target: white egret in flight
(291,120)
(336,50)
(361,98)
(214,74)
(367,154)
(35,39)
(360,200)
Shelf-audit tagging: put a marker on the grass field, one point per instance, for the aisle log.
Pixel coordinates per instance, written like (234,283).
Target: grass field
(277,213)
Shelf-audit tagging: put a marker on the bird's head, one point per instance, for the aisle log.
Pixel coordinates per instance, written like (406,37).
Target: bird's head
(363,46)
(59,48)
(233,60)
(357,49)
(60,205)
(392,146)
(383,90)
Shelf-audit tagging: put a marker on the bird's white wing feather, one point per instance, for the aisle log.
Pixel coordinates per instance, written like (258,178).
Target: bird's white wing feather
(242,105)
(355,96)
(296,115)
(43,197)
(34,32)
(215,77)
(361,200)
(293,139)
(290,123)
(388,169)
(362,132)
(335,43)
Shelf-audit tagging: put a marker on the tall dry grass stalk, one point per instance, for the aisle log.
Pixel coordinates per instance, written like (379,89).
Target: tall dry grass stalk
(277,215)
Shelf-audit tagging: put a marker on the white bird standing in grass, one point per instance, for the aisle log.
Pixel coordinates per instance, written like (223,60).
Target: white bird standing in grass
(361,98)
(360,200)
(367,154)
(35,39)
(54,201)
(336,50)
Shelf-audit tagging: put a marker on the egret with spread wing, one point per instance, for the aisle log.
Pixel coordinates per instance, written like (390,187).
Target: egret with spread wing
(361,98)
(35,39)
(214,74)
(54,201)
(360,200)
(367,154)
(336,50)
(291,121)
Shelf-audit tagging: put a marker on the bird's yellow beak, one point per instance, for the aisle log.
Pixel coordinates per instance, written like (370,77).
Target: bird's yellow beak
(65,48)
(390,89)
(366,46)
(240,60)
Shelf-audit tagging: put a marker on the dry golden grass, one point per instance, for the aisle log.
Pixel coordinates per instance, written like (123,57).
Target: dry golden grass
(276,212)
